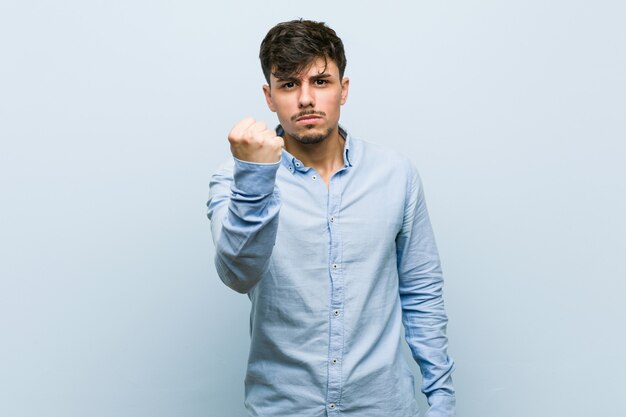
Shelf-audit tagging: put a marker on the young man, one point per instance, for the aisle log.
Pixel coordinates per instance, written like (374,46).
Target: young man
(330,238)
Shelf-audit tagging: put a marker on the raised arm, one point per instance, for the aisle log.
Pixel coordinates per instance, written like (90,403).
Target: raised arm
(243,205)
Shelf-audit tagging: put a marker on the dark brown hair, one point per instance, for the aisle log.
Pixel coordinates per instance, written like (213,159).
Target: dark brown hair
(289,47)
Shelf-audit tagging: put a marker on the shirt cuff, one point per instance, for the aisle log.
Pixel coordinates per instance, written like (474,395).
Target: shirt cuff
(253,178)
(441,406)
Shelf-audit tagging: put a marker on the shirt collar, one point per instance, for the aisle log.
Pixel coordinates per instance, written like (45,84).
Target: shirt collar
(293,164)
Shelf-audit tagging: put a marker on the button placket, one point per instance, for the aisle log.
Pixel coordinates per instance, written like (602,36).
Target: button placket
(335,352)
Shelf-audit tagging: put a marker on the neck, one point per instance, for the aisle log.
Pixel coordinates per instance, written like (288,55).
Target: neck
(325,157)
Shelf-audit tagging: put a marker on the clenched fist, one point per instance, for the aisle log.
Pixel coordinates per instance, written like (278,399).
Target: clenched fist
(252,141)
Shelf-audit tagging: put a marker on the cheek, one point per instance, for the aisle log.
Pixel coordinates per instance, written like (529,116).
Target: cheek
(332,99)
(284,116)
(330,104)
(284,105)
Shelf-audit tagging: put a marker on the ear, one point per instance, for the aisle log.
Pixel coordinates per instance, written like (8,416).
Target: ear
(345,84)
(268,97)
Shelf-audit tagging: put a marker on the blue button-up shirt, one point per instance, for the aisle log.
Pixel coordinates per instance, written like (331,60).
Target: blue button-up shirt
(332,273)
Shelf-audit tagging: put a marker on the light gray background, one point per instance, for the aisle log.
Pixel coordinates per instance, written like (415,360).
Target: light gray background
(113,114)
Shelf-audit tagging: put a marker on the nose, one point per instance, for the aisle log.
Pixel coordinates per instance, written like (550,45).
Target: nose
(306,98)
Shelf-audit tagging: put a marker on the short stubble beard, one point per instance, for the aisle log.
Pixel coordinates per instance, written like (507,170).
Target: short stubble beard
(312,139)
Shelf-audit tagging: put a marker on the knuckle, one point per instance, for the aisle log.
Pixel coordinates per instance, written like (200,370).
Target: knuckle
(242,126)
(246,121)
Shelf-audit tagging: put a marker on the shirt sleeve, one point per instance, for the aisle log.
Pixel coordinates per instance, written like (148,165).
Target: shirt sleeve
(421,296)
(243,207)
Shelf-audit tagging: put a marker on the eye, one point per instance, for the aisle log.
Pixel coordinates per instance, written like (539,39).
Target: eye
(288,85)
(321,82)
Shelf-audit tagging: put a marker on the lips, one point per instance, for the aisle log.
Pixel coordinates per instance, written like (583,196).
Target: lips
(307,118)
(307,115)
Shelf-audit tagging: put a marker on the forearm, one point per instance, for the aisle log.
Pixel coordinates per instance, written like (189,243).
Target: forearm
(244,223)
(425,323)
(441,406)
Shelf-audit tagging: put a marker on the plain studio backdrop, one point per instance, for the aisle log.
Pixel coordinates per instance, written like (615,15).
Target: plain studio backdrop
(113,115)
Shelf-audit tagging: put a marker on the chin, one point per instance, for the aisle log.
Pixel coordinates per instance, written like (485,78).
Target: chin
(310,136)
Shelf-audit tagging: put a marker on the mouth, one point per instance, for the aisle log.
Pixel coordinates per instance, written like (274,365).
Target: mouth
(308,116)
(308,119)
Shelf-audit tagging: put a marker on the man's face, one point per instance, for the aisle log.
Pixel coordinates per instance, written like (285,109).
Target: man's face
(307,104)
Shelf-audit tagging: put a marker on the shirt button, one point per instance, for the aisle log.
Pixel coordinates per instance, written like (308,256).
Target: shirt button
(332,406)
(298,164)
(334,361)
(332,219)
(314,177)
(335,266)
(336,312)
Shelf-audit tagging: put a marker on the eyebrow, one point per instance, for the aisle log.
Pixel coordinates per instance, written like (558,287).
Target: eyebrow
(286,79)
(313,77)
(320,76)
